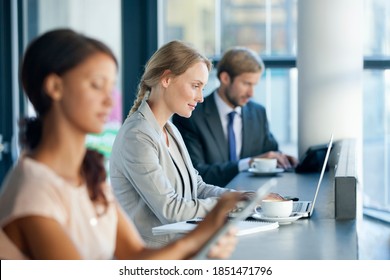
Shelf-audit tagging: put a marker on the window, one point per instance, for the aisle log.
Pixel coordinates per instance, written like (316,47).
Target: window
(376,106)
(376,142)
(266,26)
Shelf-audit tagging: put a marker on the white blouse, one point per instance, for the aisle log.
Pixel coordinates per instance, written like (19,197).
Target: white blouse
(32,188)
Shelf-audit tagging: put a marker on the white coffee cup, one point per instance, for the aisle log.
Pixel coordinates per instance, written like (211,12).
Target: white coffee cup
(264,164)
(276,208)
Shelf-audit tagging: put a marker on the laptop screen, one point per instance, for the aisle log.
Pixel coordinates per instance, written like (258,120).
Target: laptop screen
(322,174)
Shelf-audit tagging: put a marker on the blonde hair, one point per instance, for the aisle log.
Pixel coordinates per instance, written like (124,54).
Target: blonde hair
(175,56)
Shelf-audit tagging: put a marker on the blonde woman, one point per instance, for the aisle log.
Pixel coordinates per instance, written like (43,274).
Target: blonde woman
(150,169)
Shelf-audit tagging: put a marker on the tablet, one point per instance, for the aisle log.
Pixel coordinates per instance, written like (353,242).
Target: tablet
(247,210)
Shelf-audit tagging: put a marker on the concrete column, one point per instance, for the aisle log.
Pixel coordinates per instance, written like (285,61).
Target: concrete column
(330,71)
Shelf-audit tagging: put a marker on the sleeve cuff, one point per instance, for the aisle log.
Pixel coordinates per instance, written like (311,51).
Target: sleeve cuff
(243,164)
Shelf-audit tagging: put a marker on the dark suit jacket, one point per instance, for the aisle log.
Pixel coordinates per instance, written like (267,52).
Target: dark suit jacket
(208,147)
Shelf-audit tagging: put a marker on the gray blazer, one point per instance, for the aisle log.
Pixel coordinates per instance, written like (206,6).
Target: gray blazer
(208,147)
(145,179)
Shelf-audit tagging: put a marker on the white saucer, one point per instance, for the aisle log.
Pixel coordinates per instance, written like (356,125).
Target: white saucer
(266,173)
(281,221)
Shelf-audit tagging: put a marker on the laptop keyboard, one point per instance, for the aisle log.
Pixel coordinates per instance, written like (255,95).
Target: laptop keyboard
(298,207)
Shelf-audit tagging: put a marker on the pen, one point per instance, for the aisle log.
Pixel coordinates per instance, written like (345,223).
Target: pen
(192,222)
(198,221)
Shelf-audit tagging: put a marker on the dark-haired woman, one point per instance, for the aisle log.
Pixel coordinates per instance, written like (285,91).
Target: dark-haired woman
(55,203)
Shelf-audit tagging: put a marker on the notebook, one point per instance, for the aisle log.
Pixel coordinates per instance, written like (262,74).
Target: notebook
(306,208)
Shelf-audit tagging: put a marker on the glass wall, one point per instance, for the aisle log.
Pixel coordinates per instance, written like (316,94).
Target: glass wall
(377,28)
(376,142)
(191,21)
(266,26)
(213,26)
(376,107)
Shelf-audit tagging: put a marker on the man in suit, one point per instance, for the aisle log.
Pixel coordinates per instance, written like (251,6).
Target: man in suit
(220,146)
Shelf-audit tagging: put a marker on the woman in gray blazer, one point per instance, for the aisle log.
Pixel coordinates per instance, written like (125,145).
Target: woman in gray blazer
(150,169)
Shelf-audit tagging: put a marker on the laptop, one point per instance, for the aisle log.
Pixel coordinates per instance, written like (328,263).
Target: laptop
(306,208)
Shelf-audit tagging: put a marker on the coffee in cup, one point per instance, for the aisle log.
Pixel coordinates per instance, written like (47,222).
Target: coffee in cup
(264,164)
(276,208)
